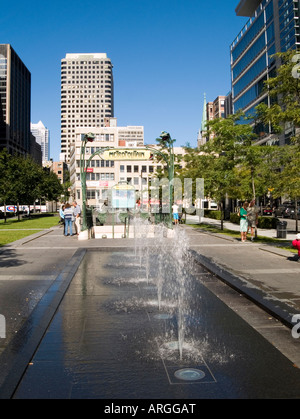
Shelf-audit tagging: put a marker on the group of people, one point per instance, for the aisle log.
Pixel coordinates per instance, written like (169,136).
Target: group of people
(248,219)
(70,213)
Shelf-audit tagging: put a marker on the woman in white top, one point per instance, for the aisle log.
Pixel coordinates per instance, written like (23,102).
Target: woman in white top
(69,216)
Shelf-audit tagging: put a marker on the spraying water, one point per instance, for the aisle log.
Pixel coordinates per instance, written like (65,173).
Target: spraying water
(169,252)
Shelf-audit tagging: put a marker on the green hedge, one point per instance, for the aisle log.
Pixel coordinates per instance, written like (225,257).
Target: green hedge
(234,218)
(267,222)
(215,214)
(263,222)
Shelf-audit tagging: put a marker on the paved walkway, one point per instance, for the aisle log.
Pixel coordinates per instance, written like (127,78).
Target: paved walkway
(36,271)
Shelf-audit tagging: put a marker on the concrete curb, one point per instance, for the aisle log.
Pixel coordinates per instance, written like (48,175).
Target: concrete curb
(267,302)
(20,350)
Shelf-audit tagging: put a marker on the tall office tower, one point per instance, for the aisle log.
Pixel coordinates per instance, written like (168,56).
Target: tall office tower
(86,95)
(273,27)
(42,136)
(15,98)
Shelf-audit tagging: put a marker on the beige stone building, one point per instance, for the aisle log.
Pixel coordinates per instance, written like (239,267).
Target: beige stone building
(106,170)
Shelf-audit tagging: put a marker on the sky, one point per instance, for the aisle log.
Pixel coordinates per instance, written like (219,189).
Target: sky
(165,53)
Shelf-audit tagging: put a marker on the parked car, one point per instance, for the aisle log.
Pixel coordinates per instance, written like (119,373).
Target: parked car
(288,212)
(285,210)
(293,214)
(267,211)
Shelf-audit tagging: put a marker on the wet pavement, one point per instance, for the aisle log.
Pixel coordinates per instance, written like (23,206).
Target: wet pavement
(107,341)
(94,328)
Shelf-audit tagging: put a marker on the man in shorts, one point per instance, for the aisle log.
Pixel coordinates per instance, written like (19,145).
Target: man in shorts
(175,213)
(252,217)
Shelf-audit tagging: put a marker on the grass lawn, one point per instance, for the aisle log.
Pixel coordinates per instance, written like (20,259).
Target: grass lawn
(14,230)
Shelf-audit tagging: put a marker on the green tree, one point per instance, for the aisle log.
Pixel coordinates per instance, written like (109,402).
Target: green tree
(25,176)
(50,187)
(231,162)
(284,91)
(284,114)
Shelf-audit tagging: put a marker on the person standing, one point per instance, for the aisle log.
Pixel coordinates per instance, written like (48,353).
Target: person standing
(68,217)
(175,213)
(62,217)
(243,222)
(252,217)
(77,212)
(296,244)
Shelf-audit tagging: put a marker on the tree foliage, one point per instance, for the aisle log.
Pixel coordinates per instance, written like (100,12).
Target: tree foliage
(23,181)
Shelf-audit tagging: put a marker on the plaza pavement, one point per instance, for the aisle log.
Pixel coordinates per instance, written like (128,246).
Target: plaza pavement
(36,271)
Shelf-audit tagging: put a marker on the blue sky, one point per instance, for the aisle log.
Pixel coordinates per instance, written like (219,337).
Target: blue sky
(166,55)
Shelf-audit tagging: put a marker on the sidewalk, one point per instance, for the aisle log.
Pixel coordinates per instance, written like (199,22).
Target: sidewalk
(271,233)
(266,274)
(35,273)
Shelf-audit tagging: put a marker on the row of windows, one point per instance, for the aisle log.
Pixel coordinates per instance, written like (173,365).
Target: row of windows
(251,54)
(72,81)
(82,69)
(84,89)
(98,176)
(81,79)
(137,169)
(84,63)
(254,29)
(98,163)
(250,95)
(67,109)
(257,68)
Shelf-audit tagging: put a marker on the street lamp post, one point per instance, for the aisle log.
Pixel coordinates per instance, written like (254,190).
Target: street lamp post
(85,139)
(168,142)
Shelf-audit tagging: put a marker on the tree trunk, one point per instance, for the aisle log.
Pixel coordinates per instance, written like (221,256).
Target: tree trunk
(222,215)
(253,184)
(296,214)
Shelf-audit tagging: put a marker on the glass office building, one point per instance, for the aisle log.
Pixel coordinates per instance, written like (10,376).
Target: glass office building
(273,26)
(15,99)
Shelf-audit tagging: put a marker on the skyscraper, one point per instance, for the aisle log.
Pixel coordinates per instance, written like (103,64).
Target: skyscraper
(273,27)
(86,95)
(42,137)
(15,98)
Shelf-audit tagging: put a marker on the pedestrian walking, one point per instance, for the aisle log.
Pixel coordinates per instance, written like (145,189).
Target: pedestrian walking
(68,217)
(77,213)
(175,213)
(243,221)
(252,217)
(296,244)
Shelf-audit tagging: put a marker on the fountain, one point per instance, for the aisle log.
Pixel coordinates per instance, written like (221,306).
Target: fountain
(136,321)
(170,258)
